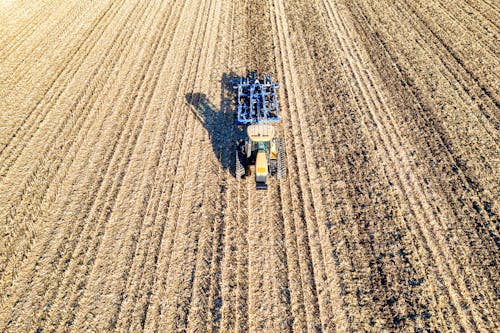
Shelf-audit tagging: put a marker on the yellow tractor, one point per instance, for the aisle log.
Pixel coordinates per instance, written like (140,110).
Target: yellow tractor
(262,151)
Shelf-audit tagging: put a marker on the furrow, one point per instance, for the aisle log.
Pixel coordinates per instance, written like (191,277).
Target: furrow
(308,295)
(39,181)
(437,247)
(64,242)
(10,14)
(365,90)
(132,311)
(479,27)
(123,160)
(12,32)
(201,310)
(184,271)
(303,297)
(355,182)
(58,86)
(43,14)
(461,53)
(487,10)
(229,282)
(324,265)
(484,225)
(155,308)
(473,229)
(107,221)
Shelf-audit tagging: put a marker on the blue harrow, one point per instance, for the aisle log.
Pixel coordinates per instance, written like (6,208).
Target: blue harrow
(256,100)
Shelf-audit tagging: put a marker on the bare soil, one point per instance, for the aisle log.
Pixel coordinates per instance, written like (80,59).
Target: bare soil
(119,210)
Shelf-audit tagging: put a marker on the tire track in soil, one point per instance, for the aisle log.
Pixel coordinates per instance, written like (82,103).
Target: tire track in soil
(205,300)
(175,177)
(455,285)
(466,222)
(230,201)
(204,199)
(459,163)
(268,300)
(326,279)
(361,184)
(406,198)
(403,253)
(258,309)
(194,197)
(234,263)
(340,214)
(242,314)
(195,318)
(281,289)
(435,153)
(164,238)
(63,176)
(265,311)
(234,280)
(303,298)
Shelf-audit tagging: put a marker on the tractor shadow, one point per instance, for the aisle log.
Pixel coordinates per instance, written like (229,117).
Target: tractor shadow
(220,123)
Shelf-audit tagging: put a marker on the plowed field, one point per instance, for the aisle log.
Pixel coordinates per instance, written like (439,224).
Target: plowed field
(119,210)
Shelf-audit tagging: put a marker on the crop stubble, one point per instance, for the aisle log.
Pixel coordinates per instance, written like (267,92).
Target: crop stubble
(120,209)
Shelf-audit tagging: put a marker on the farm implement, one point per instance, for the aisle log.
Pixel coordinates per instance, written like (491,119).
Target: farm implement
(261,150)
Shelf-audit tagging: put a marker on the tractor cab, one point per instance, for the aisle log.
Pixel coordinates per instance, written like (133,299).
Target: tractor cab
(260,150)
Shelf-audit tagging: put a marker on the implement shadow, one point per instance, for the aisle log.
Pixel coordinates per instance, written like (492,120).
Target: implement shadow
(219,123)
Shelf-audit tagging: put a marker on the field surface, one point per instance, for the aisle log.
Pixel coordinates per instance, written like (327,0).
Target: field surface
(119,210)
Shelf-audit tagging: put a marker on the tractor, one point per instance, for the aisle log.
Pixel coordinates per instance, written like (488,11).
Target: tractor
(260,150)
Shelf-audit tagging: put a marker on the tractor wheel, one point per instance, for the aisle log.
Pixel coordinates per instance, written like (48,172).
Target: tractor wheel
(281,172)
(239,166)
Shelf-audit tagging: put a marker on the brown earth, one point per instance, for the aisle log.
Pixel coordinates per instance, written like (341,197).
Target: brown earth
(119,210)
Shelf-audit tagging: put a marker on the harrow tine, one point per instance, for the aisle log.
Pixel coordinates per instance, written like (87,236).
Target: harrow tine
(257,100)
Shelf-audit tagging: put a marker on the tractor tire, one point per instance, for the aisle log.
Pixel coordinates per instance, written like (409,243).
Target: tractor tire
(281,172)
(239,169)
